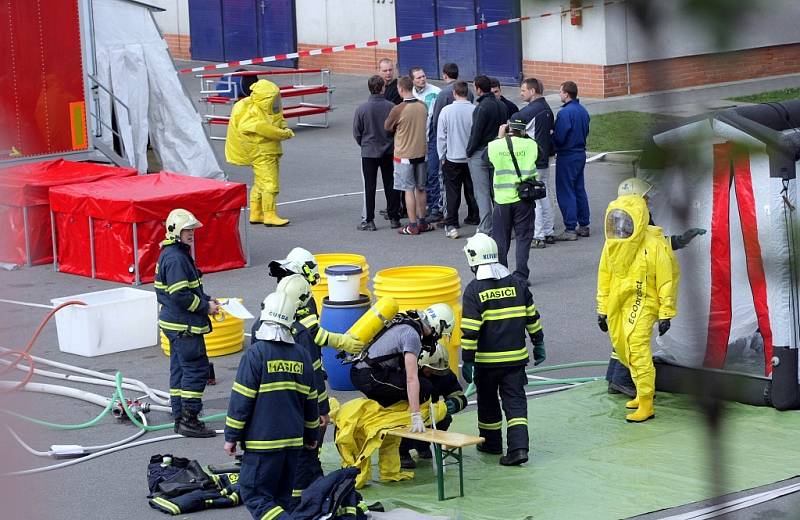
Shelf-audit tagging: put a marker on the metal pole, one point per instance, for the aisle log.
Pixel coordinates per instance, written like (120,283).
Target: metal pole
(91,245)
(136,279)
(55,244)
(627,55)
(246,216)
(25,229)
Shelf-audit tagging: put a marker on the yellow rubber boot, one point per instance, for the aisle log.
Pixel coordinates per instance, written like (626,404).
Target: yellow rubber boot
(256,213)
(271,218)
(633,404)
(644,412)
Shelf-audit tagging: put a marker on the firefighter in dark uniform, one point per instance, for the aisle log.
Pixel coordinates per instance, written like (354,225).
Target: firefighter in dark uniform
(184,319)
(498,310)
(274,374)
(435,368)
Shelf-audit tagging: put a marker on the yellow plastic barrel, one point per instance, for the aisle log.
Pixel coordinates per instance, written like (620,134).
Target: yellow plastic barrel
(419,286)
(320,290)
(226,337)
(374,319)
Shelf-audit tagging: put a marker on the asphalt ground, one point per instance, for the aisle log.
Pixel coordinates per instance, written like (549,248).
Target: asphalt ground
(316,163)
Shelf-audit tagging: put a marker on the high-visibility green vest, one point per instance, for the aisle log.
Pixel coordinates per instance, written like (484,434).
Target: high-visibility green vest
(505,180)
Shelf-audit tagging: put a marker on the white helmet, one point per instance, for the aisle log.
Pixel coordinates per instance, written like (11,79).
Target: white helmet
(481,249)
(280,308)
(633,186)
(296,287)
(178,220)
(300,261)
(436,360)
(440,318)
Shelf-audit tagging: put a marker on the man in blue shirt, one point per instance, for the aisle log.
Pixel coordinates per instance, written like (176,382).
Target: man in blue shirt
(569,139)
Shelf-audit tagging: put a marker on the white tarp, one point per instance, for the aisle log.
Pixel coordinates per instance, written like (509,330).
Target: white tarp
(133,61)
(682,198)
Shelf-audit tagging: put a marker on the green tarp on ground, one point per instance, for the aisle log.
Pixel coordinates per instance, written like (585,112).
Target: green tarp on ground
(587,462)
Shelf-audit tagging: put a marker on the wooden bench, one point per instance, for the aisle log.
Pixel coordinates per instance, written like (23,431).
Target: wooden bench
(445,445)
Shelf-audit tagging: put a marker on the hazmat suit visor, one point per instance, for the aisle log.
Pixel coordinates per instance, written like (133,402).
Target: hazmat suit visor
(619,224)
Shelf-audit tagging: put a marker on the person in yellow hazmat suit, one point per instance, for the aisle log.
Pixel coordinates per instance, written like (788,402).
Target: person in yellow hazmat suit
(637,284)
(255,131)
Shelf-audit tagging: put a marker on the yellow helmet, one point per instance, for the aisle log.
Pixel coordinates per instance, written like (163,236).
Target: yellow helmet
(178,220)
(633,186)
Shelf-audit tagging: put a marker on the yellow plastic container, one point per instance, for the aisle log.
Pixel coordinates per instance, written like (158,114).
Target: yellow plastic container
(227,336)
(324,260)
(374,319)
(419,286)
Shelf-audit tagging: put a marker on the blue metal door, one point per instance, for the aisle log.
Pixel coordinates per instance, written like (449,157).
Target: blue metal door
(411,17)
(277,30)
(458,48)
(500,48)
(205,23)
(239,29)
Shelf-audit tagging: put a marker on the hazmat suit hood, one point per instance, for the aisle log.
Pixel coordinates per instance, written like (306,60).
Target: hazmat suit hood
(625,228)
(266,96)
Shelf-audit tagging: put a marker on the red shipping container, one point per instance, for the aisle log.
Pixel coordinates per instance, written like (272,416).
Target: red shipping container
(115,207)
(24,196)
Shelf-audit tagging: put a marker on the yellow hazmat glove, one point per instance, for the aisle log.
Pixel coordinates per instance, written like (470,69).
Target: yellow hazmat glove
(345,342)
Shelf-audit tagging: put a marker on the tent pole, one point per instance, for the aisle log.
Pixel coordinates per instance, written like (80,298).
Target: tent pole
(91,245)
(136,280)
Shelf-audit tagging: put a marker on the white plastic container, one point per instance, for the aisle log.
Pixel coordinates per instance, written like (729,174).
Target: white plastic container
(111,321)
(343,282)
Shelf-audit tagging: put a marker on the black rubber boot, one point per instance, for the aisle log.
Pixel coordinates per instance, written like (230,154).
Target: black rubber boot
(514,458)
(191,426)
(406,462)
(490,451)
(177,424)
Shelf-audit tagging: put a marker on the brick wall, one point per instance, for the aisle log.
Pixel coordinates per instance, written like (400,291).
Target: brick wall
(689,71)
(179,46)
(356,61)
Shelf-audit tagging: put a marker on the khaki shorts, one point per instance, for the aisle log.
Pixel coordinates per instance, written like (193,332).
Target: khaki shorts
(408,177)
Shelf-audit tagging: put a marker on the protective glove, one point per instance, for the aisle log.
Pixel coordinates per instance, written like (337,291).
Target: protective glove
(417,424)
(467,370)
(602,323)
(537,338)
(452,406)
(663,326)
(681,241)
(539,355)
(345,342)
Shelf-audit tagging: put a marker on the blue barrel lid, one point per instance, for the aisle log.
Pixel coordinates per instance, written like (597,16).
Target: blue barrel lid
(343,270)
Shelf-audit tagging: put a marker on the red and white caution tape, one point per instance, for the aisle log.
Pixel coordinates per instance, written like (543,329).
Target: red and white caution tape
(394,39)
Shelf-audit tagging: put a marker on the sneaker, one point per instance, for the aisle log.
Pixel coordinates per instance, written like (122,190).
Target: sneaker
(450,232)
(384,213)
(394,223)
(549,240)
(367,225)
(566,236)
(538,244)
(409,230)
(582,231)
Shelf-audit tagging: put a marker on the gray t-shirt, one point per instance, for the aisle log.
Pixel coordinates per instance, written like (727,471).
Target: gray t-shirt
(398,339)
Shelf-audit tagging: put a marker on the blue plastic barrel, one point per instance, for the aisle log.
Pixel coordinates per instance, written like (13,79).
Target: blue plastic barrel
(339,317)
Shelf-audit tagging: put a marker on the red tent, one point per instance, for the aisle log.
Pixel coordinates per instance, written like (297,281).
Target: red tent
(111,229)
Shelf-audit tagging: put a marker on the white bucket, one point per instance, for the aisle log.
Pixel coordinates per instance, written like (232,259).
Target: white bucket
(343,282)
(111,321)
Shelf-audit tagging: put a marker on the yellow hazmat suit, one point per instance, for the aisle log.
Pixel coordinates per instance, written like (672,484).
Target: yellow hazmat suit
(637,284)
(362,426)
(255,132)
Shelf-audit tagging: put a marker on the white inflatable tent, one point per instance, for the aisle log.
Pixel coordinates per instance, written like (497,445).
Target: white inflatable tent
(733,173)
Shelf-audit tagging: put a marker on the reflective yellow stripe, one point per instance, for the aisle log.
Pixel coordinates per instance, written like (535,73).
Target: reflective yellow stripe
(273,513)
(317,364)
(530,310)
(501,357)
(518,421)
(363,506)
(533,327)
(346,511)
(159,285)
(470,324)
(469,344)
(296,493)
(312,424)
(321,397)
(321,337)
(309,321)
(313,395)
(245,391)
(233,423)
(284,385)
(169,506)
(195,303)
(179,327)
(177,286)
(175,392)
(277,443)
(490,426)
(502,314)
(188,394)
(235,497)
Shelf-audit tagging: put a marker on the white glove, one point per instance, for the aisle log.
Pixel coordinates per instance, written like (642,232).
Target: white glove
(417,424)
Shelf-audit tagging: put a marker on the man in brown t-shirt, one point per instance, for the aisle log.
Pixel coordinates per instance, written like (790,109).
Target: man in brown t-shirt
(408,122)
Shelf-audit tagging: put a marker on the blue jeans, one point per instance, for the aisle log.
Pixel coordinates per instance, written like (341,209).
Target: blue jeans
(570,190)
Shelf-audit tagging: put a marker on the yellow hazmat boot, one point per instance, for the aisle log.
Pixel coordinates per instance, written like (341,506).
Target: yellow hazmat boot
(644,412)
(271,218)
(633,404)
(256,214)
